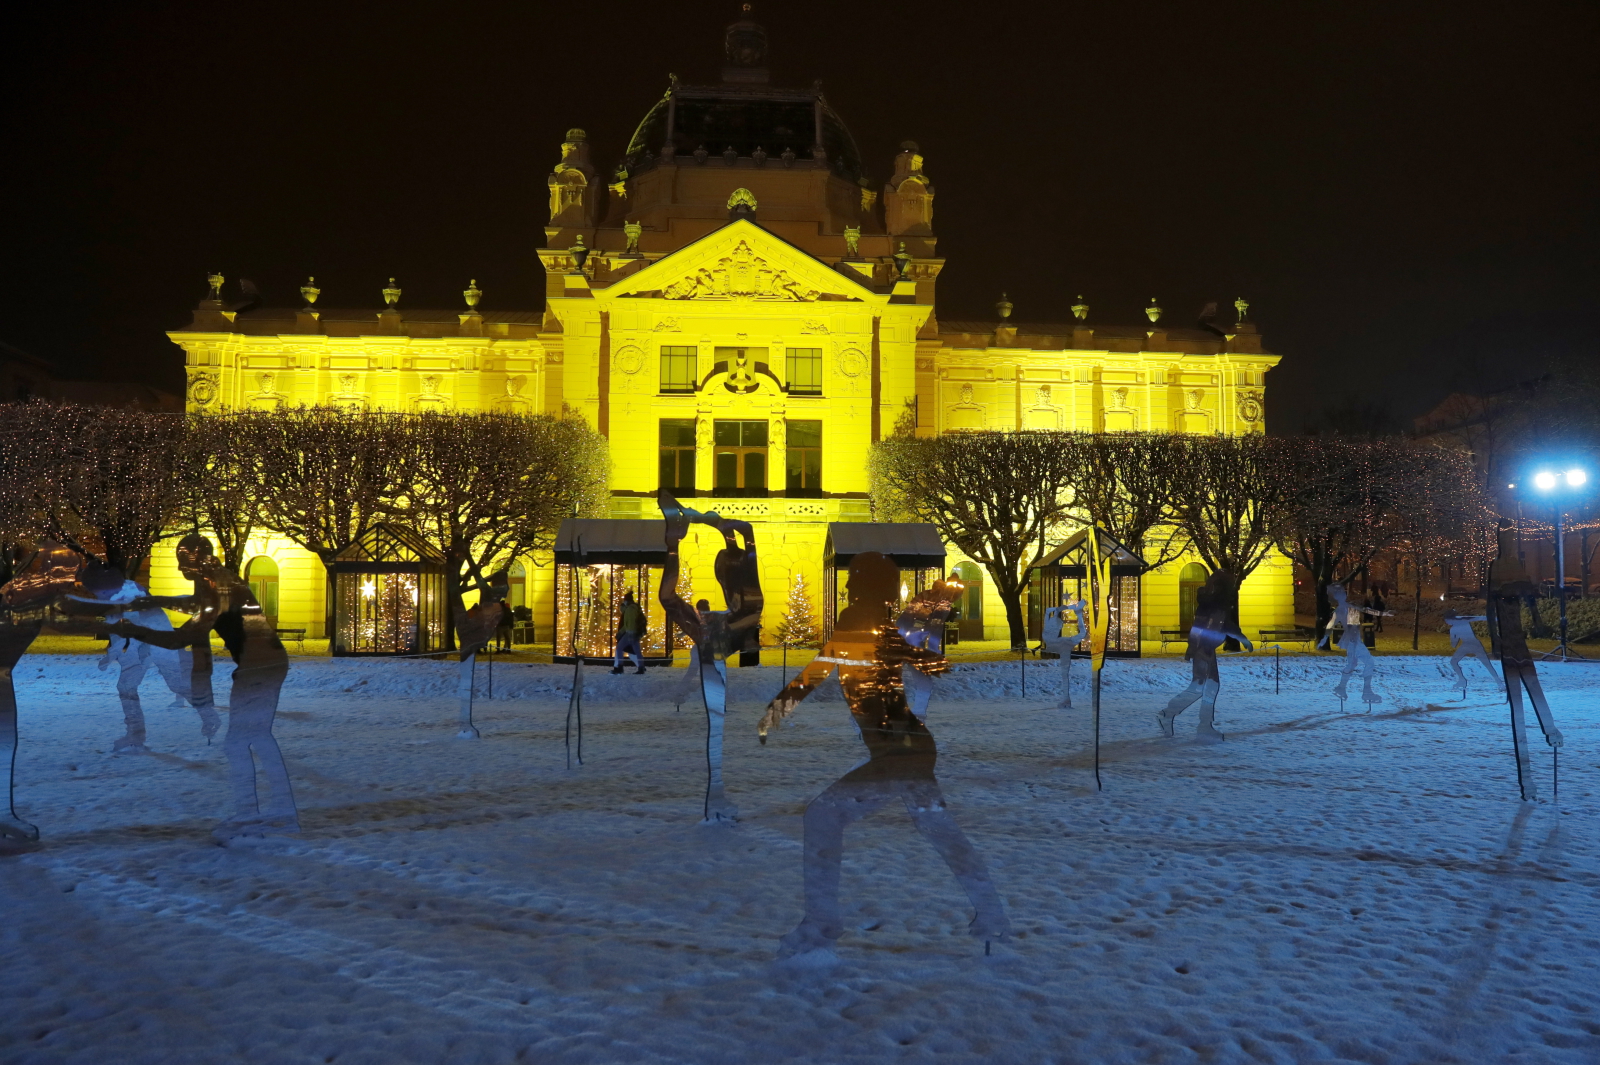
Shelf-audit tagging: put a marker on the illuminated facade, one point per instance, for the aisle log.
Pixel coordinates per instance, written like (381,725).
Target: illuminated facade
(742,312)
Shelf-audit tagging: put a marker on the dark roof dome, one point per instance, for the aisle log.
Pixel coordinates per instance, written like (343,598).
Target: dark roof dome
(745,114)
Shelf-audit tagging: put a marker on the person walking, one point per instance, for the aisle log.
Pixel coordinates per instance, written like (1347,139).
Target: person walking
(630,629)
(502,628)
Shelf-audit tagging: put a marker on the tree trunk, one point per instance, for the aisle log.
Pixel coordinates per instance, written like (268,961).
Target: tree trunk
(1416,610)
(453,603)
(1009,589)
(328,603)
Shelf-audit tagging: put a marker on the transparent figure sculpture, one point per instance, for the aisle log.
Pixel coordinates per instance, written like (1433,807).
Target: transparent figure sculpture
(875,654)
(223,603)
(31,598)
(475,628)
(1351,615)
(133,658)
(1465,644)
(1509,585)
(715,633)
(1211,627)
(1055,621)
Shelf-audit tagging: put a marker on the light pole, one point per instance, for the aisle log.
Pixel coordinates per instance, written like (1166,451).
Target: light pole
(1560,487)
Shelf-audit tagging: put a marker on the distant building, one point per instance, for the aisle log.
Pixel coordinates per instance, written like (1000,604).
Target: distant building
(743,312)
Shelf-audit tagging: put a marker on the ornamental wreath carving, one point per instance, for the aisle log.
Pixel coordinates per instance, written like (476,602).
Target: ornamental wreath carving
(630,360)
(203,389)
(741,274)
(1250,409)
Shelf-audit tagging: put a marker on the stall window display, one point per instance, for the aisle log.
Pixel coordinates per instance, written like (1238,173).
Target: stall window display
(389,596)
(589,605)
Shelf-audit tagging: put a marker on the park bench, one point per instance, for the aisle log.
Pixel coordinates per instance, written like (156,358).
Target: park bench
(297,635)
(1173,636)
(1294,635)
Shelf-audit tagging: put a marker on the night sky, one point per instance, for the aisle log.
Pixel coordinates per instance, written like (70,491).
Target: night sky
(1406,192)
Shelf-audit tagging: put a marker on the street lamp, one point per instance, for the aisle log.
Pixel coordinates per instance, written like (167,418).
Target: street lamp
(1561,485)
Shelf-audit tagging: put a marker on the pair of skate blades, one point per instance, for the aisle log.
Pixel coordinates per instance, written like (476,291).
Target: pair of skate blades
(617,670)
(1204,732)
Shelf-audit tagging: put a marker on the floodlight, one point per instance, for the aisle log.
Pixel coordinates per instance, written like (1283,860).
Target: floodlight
(1544,480)
(1576,478)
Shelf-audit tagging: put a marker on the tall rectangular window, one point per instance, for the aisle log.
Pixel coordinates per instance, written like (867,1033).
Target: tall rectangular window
(678,369)
(803,371)
(803,457)
(677,455)
(740,457)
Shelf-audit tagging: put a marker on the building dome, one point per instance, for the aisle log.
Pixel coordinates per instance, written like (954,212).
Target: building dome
(745,114)
(718,118)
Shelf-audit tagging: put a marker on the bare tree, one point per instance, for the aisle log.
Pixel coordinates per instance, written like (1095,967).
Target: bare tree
(100,480)
(992,494)
(1124,483)
(1227,499)
(327,477)
(1441,513)
(489,487)
(1340,510)
(220,480)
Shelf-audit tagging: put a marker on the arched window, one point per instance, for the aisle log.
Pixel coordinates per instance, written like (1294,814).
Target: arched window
(518,579)
(1190,580)
(261,574)
(969,608)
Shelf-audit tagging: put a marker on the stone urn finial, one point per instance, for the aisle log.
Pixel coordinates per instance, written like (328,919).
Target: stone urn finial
(1080,310)
(215,280)
(633,231)
(1003,307)
(391,294)
(902,259)
(309,292)
(472,294)
(1153,312)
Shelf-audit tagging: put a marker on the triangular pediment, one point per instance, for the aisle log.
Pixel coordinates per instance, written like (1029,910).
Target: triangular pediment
(741,261)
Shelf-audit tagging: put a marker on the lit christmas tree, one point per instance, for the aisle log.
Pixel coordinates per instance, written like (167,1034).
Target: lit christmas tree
(799,626)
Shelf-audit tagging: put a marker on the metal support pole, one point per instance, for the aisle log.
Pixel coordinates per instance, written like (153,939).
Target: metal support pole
(1562,652)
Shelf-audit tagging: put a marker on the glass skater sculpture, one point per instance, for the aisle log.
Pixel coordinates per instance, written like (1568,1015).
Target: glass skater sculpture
(872,651)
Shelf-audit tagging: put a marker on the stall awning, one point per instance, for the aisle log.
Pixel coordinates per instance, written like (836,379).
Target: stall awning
(912,545)
(612,541)
(1071,556)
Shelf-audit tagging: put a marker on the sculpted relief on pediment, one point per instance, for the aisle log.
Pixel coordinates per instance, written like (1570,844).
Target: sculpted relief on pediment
(741,274)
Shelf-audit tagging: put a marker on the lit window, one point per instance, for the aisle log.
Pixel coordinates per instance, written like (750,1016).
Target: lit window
(677,455)
(803,457)
(678,369)
(803,371)
(740,450)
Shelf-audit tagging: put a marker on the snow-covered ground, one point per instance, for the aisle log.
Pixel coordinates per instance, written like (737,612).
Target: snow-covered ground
(1325,886)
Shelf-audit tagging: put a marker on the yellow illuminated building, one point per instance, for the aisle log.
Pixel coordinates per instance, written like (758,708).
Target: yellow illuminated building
(742,313)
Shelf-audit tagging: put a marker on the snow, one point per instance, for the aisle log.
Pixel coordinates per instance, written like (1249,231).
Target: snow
(1326,886)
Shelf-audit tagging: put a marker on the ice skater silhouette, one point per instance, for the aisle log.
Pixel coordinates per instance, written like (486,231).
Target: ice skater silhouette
(133,659)
(1509,585)
(1355,650)
(223,603)
(1062,646)
(871,652)
(1210,628)
(1466,644)
(27,601)
(716,633)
